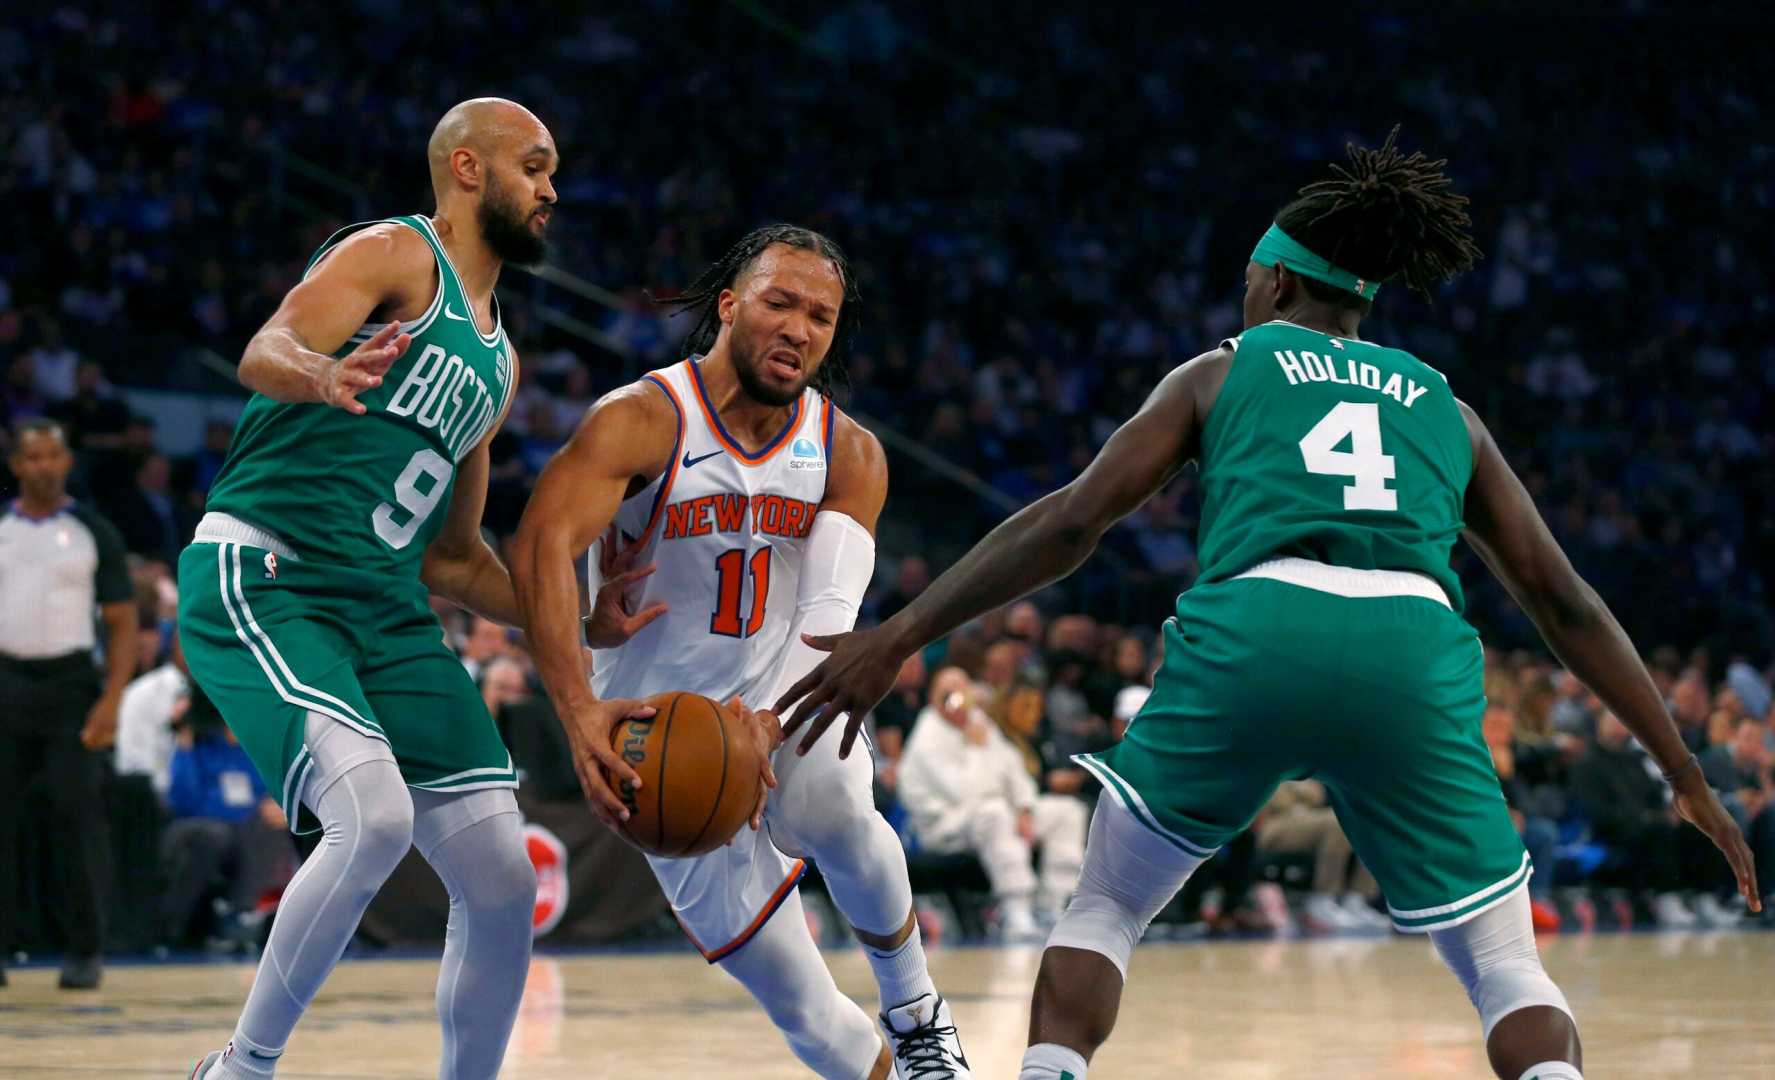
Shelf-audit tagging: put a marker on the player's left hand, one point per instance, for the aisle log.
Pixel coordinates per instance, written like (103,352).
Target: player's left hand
(853,680)
(101,725)
(764,724)
(614,618)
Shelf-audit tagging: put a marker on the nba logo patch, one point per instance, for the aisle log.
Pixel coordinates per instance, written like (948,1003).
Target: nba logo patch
(549,856)
(805,454)
(271,565)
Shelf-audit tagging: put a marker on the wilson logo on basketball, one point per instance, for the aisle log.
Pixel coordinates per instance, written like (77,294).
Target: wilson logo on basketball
(549,856)
(634,751)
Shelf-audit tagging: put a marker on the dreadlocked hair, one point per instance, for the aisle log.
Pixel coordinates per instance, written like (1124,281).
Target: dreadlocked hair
(701,295)
(1386,215)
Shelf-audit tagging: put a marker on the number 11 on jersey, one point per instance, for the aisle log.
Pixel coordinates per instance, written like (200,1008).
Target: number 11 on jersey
(729,568)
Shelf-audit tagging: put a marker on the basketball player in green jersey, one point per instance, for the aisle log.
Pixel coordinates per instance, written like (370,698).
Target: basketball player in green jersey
(1323,636)
(353,487)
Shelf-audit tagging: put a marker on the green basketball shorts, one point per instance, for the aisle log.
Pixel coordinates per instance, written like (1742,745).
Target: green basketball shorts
(271,639)
(1376,694)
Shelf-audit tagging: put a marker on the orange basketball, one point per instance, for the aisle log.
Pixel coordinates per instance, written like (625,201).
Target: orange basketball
(699,775)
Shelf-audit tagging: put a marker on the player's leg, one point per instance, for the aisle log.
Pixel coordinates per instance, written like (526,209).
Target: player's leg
(1201,759)
(467,825)
(354,788)
(824,807)
(475,842)
(263,646)
(1412,782)
(1528,1026)
(782,968)
(1130,873)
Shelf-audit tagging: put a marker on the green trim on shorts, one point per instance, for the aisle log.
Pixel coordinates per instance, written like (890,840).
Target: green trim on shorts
(1130,800)
(1453,914)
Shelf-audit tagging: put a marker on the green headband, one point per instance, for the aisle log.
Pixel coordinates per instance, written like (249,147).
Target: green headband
(1278,247)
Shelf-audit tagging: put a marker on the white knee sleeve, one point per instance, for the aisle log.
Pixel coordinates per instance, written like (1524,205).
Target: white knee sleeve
(1130,873)
(1494,956)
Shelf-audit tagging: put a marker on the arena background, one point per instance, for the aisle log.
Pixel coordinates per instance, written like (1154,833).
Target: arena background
(1047,209)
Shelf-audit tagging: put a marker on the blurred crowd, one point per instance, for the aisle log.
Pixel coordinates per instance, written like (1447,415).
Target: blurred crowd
(1046,214)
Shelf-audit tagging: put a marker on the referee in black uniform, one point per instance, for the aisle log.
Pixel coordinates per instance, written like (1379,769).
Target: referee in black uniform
(58,561)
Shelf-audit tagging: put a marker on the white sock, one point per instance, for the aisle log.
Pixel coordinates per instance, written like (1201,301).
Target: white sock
(1051,1061)
(1553,1070)
(901,974)
(244,1060)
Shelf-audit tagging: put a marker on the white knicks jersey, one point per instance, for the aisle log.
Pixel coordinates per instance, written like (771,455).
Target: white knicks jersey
(727,530)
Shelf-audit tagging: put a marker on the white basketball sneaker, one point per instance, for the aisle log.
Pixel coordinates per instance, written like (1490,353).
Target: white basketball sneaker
(922,1034)
(203,1067)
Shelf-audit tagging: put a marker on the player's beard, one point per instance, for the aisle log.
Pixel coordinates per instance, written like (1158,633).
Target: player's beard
(506,228)
(746,362)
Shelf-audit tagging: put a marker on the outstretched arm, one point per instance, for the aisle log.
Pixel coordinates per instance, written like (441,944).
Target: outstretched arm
(1039,544)
(1509,534)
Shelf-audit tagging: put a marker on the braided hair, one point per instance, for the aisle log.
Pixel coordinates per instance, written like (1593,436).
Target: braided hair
(702,294)
(1386,215)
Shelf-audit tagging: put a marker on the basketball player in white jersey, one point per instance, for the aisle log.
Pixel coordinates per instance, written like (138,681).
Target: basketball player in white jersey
(756,500)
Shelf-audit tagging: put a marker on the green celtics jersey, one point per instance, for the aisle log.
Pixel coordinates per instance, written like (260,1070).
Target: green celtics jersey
(370,491)
(1335,450)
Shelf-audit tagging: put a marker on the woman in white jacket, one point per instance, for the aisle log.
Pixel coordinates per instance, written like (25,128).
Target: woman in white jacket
(967,789)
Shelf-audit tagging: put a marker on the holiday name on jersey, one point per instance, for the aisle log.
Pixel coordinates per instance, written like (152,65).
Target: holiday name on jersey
(771,515)
(440,391)
(1309,367)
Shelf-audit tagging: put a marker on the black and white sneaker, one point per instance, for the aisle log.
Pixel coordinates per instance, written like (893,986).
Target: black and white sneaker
(922,1034)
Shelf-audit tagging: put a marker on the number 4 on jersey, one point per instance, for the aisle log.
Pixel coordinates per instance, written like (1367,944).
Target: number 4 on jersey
(1360,422)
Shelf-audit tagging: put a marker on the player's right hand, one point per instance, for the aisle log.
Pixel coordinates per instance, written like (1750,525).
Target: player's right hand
(589,729)
(1701,807)
(362,369)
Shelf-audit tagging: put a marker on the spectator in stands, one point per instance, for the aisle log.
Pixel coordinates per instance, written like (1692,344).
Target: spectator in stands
(59,562)
(1740,769)
(1651,852)
(502,682)
(207,462)
(1019,712)
(1691,705)
(145,721)
(1136,676)
(486,642)
(150,521)
(1298,820)
(967,789)
(912,578)
(227,836)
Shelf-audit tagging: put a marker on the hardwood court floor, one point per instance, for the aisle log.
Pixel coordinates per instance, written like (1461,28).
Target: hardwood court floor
(1648,1006)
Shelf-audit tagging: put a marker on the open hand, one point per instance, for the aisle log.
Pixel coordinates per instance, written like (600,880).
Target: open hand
(854,679)
(589,730)
(362,369)
(1697,803)
(614,618)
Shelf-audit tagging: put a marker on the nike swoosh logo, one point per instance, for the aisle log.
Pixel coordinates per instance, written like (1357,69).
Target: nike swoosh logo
(263,1057)
(448,314)
(690,462)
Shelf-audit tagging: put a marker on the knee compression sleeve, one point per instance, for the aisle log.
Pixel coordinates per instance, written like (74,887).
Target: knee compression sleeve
(1494,956)
(1129,874)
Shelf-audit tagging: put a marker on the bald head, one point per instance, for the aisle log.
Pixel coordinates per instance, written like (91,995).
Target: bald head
(493,158)
(488,128)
